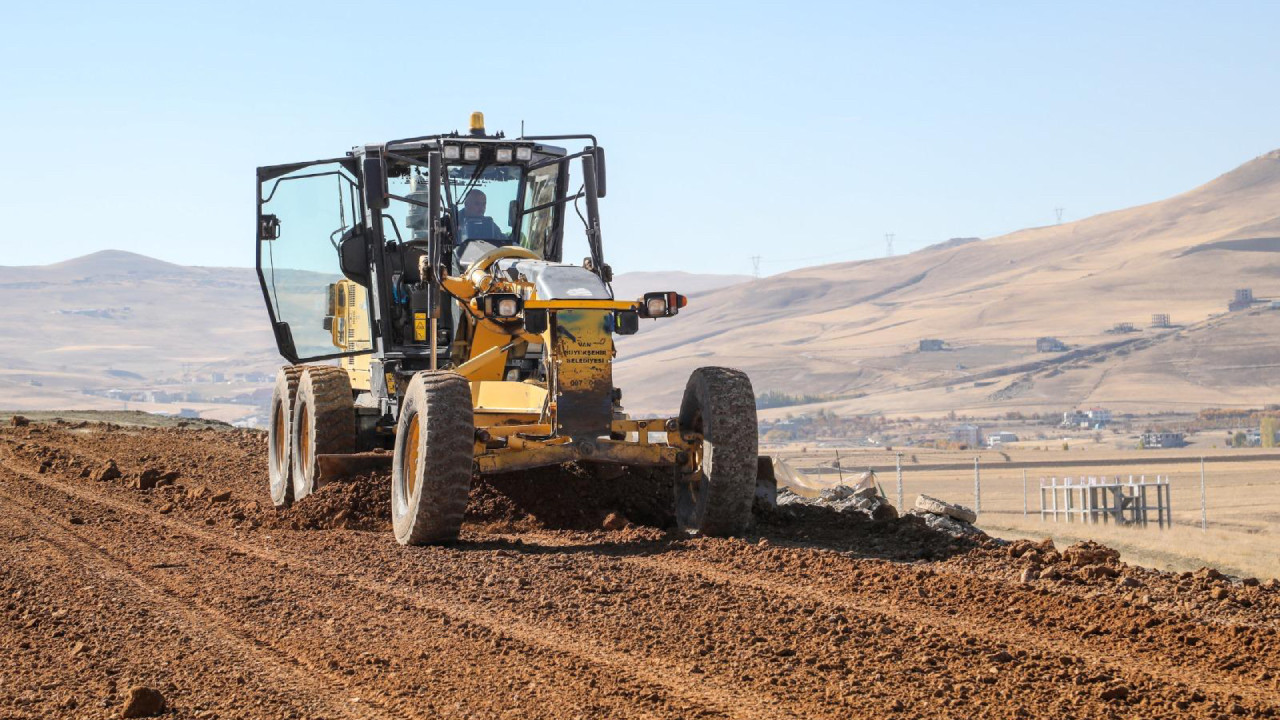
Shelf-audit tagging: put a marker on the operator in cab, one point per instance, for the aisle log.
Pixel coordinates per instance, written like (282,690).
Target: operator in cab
(475,225)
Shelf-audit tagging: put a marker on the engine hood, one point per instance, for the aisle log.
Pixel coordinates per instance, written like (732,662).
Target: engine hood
(554,281)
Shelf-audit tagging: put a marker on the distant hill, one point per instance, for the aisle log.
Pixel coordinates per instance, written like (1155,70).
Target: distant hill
(635,284)
(115,330)
(852,331)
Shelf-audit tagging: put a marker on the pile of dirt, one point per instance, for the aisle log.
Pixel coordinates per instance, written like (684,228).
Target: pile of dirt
(630,502)
(1093,568)
(493,511)
(906,538)
(573,497)
(359,503)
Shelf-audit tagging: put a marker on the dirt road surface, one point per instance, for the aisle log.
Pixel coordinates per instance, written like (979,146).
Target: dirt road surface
(201,590)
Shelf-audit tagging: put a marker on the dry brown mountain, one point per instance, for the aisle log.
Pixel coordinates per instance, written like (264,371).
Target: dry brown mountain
(115,330)
(119,331)
(851,331)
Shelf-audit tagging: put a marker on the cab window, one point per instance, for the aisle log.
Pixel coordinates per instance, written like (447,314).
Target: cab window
(536,227)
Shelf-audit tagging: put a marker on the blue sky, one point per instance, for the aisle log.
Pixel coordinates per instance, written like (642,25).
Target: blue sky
(799,132)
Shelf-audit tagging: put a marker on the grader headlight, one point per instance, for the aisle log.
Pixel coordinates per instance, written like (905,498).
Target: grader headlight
(504,154)
(524,153)
(452,152)
(502,306)
(661,304)
(471,153)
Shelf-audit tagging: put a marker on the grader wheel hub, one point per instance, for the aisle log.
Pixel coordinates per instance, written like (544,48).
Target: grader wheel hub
(410,467)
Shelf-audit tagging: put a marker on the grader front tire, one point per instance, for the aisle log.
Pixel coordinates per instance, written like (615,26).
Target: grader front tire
(324,423)
(431,468)
(720,405)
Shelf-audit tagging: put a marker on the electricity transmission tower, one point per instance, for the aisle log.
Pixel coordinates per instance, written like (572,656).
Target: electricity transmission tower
(888,244)
(755,266)
(1058,211)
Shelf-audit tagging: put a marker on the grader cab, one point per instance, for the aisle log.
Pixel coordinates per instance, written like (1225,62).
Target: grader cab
(417,289)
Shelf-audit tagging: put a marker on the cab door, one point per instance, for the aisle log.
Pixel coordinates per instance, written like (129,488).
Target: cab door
(305,211)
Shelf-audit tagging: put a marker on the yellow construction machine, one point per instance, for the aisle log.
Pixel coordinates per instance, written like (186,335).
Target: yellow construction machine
(429,270)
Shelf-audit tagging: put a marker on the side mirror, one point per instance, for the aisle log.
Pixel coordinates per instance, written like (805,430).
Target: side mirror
(353,256)
(513,215)
(268,227)
(600,184)
(375,183)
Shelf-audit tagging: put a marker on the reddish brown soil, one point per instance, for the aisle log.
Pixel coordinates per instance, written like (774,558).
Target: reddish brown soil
(230,608)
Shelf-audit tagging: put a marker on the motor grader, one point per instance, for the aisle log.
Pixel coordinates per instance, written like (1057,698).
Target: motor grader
(417,289)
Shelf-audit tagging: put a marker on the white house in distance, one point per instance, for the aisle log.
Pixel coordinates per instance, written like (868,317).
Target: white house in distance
(1092,419)
(1002,437)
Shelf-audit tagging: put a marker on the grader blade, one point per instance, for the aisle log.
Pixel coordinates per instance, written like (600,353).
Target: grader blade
(340,467)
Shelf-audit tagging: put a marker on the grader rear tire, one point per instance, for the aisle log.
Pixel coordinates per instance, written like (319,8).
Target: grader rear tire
(431,468)
(279,446)
(324,423)
(716,499)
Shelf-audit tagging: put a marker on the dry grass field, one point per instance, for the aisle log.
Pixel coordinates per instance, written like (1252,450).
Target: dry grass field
(1242,501)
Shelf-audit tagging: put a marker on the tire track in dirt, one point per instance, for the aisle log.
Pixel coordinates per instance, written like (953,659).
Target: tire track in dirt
(200,620)
(206,627)
(679,659)
(1119,658)
(905,646)
(658,672)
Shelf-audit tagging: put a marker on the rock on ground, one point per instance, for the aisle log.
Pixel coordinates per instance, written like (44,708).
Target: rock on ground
(143,702)
(935,506)
(844,499)
(948,525)
(1090,553)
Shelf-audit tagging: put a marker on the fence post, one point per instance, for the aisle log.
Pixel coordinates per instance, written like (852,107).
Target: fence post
(1024,493)
(977,487)
(1204,512)
(901,509)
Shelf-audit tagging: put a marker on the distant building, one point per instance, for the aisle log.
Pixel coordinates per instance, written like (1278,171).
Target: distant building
(1093,419)
(188,413)
(1098,417)
(1050,344)
(1242,301)
(1000,438)
(1153,440)
(970,435)
(1074,419)
(932,345)
(1159,320)
(1121,328)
